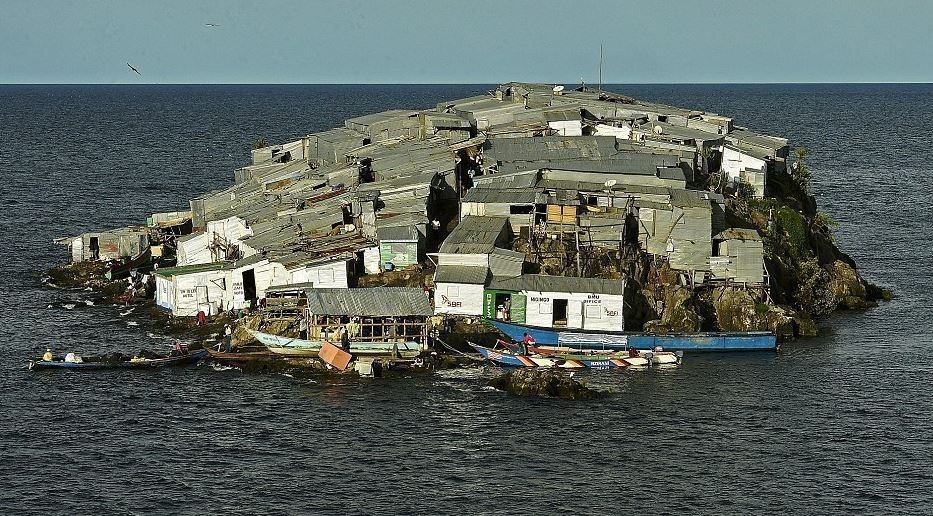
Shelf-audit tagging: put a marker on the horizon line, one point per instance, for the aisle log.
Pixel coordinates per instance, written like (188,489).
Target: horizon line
(450,83)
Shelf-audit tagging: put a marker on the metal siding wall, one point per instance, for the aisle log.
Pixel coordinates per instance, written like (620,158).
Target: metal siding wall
(470,298)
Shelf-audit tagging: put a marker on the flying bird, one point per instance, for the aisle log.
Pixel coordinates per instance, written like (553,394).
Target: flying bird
(133,68)
(212,24)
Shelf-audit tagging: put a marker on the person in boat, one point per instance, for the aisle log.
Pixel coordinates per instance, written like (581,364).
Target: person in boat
(48,356)
(527,342)
(179,349)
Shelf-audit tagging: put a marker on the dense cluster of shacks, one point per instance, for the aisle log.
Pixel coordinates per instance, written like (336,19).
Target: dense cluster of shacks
(505,202)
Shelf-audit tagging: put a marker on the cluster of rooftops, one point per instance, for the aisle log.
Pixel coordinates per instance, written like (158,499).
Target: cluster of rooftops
(483,190)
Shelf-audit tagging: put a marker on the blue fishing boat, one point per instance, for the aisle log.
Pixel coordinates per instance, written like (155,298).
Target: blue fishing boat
(617,341)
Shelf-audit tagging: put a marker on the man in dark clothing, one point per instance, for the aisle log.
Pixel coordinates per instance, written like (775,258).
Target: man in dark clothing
(345,340)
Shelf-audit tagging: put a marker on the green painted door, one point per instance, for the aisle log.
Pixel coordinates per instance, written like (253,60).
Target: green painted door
(517,313)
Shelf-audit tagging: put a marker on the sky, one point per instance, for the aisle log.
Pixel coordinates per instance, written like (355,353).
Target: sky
(464,42)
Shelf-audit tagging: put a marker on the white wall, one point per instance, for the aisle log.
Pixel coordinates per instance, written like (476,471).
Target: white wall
(621,133)
(231,229)
(458,299)
(199,291)
(584,311)
(567,127)
(77,250)
(194,250)
(371,260)
(735,162)
(324,275)
(165,292)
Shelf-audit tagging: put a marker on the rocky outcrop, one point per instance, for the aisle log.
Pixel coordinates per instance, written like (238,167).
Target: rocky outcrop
(678,311)
(542,382)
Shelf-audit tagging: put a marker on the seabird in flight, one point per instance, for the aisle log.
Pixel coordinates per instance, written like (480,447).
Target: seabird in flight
(211,25)
(133,68)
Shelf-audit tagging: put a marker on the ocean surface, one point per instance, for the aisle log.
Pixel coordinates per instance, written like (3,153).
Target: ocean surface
(842,423)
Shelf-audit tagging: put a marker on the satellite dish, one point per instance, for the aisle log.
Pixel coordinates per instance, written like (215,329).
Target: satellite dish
(658,129)
(558,89)
(610,183)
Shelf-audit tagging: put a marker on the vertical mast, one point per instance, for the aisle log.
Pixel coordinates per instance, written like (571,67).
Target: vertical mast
(600,90)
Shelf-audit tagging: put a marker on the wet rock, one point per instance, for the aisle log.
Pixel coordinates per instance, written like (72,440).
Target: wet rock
(678,313)
(848,288)
(548,383)
(737,310)
(804,326)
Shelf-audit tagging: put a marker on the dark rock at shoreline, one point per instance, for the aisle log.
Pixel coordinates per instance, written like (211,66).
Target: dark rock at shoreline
(548,383)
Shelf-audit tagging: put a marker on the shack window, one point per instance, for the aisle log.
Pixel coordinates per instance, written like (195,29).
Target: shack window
(326,275)
(453,291)
(544,308)
(520,210)
(594,312)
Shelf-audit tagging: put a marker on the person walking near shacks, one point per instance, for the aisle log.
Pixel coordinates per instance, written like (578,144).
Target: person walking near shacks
(345,339)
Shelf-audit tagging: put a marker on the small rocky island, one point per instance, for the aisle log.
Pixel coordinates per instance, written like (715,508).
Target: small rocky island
(532,203)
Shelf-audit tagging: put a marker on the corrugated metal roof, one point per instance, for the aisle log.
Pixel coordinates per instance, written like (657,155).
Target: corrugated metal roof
(542,283)
(689,198)
(509,196)
(673,173)
(475,235)
(369,302)
(381,117)
(679,132)
(168,272)
(397,234)
(470,275)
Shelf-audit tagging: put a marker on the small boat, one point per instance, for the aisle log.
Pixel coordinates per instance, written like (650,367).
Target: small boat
(598,358)
(618,341)
(142,262)
(302,348)
(240,356)
(509,357)
(98,362)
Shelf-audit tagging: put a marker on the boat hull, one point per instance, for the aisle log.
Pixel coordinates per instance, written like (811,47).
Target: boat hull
(303,348)
(609,341)
(566,361)
(148,363)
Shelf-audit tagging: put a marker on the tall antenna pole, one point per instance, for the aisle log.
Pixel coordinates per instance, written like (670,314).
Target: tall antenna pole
(600,90)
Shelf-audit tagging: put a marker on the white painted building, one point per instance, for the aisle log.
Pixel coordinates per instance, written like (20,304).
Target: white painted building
(744,166)
(219,286)
(463,264)
(557,302)
(219,237)
(458,290)
(186,290)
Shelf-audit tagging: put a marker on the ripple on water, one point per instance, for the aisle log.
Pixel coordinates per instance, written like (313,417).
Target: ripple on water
(834,424)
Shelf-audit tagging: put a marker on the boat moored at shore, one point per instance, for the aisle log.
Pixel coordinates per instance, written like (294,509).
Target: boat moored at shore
(617,341)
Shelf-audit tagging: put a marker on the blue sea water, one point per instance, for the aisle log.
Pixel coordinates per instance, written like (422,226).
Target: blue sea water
(837,424)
